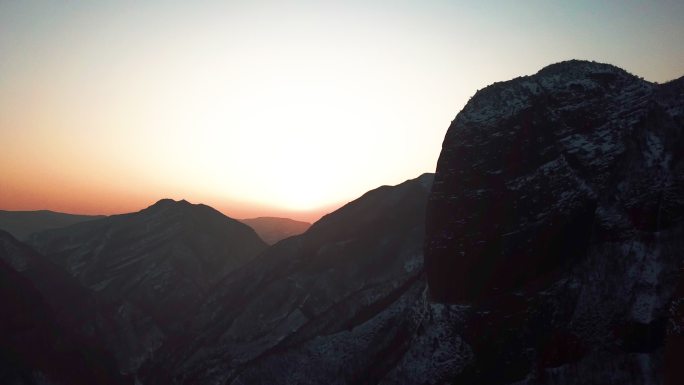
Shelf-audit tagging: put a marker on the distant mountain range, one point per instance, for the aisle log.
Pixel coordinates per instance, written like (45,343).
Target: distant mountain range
(546,249)
(21,224)
(273,229)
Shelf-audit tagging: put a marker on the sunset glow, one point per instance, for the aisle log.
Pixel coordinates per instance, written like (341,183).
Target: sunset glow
(269,108)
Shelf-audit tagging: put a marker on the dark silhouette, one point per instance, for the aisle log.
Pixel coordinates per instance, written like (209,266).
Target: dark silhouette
(21,224)
(557,213)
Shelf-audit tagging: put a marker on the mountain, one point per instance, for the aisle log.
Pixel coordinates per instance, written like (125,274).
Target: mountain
(346,298)
(552,236)
(272,229)
(157,264)
(556,219)
(36,345)
(21,224)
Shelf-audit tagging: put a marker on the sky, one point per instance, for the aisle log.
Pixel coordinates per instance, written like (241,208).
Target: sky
(282,108)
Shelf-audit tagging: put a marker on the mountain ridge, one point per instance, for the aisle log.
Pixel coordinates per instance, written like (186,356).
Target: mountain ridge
(345,271)
(21,224)
(162,260)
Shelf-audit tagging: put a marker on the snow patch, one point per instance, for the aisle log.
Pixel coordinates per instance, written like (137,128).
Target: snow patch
(654,151)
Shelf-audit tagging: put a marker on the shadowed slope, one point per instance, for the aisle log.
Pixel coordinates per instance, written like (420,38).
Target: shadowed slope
(346,285)
(36,342)
(109,325)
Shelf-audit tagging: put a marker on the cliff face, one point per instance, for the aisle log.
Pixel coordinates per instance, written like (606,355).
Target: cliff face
(557,215)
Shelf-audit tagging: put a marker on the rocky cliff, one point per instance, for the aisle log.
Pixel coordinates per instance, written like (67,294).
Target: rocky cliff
(557,217)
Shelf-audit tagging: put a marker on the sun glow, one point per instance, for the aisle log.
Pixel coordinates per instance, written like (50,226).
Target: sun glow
(105,107)
(280,116)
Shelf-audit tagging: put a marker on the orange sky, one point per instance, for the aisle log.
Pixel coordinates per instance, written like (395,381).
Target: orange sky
(283,108)
(108,193)
(81,197)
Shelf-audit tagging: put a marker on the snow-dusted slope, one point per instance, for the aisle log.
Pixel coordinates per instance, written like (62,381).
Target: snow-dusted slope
(557,215)
(341,303)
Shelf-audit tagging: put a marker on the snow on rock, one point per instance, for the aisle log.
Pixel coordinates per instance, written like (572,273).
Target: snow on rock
(556,213)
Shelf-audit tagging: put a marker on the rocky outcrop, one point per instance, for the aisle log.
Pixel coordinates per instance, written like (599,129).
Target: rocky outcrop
(557,217)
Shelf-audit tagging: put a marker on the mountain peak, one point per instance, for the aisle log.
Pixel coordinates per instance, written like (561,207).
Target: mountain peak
(160,259)
(168,202)
(167,206)
(579,66)
(561,137)
(576,83)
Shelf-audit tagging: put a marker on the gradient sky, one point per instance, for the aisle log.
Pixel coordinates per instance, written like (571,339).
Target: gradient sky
(273,107)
